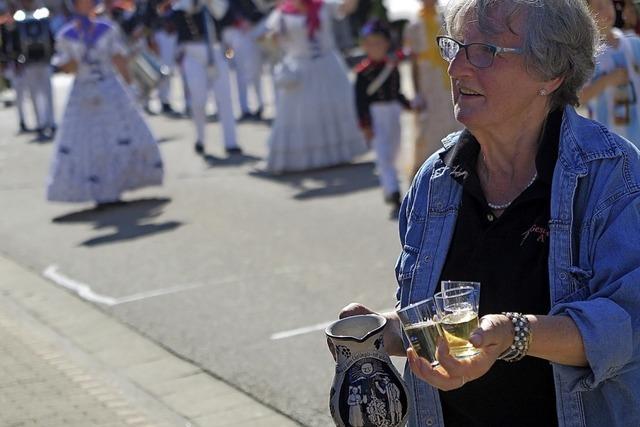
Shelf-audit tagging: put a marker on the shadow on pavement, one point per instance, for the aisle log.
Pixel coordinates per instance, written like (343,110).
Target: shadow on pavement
(231,160)
(328,182)
(126,218)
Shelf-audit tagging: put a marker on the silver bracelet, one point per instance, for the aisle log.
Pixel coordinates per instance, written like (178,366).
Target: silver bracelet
(521,339)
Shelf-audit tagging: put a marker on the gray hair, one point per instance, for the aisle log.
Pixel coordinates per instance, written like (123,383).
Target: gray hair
(561,38)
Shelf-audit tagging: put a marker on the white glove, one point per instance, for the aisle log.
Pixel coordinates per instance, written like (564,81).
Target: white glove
(218,8)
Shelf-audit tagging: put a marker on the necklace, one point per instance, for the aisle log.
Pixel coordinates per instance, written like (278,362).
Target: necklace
(504,206)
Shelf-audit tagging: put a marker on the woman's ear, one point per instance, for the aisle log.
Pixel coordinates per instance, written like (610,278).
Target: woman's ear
(550,86)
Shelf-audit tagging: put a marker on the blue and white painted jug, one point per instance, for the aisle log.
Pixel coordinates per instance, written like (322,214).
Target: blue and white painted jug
(367,390)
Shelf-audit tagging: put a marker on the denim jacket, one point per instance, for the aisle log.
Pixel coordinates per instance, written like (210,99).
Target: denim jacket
(594,269)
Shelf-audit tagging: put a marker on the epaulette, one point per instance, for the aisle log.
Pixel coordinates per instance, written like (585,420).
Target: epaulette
(363,65)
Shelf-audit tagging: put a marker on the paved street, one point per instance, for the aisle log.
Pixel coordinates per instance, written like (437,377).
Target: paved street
(230,270)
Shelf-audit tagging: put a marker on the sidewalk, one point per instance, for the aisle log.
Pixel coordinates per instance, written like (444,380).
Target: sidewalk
(65,363)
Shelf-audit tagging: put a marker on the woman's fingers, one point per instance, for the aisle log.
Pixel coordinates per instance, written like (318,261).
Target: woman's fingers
(354,309)
(437,377)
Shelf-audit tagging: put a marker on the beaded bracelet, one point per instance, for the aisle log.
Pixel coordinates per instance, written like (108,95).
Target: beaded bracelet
(521,339)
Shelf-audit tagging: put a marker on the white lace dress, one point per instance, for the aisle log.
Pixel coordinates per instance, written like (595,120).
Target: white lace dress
(316,123)
(103,146)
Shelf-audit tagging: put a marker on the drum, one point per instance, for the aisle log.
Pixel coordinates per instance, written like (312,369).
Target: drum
(147,70)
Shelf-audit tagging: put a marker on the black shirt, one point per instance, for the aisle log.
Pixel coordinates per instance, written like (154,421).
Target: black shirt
(509,257)
(366,72)
(191,27)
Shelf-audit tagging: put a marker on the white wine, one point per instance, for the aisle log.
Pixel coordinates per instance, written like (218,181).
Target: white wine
(457,328)
(423,337)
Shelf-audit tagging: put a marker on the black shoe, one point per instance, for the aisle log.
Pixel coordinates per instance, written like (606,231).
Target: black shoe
(393,198)
(395,201)
(257,116)
(213,118)
(199,147)
(24,128)
(233,150)
(245,117)
(167,109)
(44,135)
(394,213)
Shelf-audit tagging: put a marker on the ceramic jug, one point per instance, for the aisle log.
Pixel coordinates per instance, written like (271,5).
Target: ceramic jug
(367,390)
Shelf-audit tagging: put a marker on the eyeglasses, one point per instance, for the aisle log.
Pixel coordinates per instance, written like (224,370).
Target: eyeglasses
(479,54)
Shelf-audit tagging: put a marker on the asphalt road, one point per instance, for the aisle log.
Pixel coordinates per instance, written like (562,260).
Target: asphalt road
(217,260)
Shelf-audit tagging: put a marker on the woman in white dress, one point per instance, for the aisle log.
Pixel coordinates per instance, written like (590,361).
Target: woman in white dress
(316,124)
(103,147)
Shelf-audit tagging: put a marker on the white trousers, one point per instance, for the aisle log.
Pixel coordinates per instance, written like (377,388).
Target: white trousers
(37,82)
(17,83)
(248,60)
(167,46)
(385,117)
(199,83)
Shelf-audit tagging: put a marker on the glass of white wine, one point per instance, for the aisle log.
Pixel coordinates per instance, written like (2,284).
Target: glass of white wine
(447,285)
(419,321)
(458,316)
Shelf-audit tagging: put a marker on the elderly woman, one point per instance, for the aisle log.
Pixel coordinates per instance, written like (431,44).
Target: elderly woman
(542,207)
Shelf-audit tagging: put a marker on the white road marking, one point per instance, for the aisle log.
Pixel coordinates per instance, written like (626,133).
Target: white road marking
(308,329)
(300,331)
(84,291)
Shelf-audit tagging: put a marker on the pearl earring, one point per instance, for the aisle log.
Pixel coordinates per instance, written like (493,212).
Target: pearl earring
(542,92)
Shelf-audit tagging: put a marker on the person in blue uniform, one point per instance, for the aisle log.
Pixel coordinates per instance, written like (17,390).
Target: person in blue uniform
(379,103)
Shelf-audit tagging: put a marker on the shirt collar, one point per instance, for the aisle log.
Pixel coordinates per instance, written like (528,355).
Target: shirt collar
(462,156)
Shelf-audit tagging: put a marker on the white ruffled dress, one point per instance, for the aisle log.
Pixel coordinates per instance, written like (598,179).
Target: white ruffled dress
(103,146)
(316,124)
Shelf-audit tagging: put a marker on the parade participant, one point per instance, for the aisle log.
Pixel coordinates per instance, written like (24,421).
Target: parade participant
(166,38)
(205,66)
(612,94)
(539,205)
(379,102)
(315,124)
(239,35)
(104,147)
(630,17)
(433,121)
(10,65)
(32,48)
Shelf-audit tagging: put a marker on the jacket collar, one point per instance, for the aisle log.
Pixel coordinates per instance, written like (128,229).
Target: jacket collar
(581,141)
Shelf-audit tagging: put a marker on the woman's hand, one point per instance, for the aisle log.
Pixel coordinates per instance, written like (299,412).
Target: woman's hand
(392,330)
(69,68)
(493,337)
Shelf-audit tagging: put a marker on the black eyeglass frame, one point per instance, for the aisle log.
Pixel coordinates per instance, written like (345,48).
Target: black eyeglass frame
(495,50)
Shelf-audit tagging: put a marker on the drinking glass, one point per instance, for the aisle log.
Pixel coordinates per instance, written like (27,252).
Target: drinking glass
(447,285)
(458,316)
(419,321)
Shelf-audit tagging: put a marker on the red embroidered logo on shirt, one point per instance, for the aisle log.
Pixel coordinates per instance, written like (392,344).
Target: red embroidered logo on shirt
(541,234)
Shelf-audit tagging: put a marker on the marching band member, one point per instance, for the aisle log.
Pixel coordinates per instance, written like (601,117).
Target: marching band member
(204,66)
(166,39)
(9,65)
(239,35)
(104,147)
(32,49)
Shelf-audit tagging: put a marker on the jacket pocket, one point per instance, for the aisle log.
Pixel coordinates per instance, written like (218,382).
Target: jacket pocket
(407,264)
(579,285)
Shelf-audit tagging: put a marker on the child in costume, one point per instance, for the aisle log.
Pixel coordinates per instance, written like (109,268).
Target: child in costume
(380,102)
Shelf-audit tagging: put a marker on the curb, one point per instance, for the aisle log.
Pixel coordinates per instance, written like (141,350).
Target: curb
(149,377)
